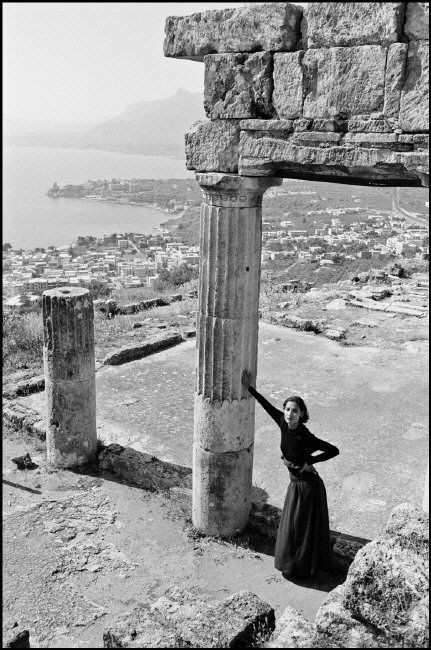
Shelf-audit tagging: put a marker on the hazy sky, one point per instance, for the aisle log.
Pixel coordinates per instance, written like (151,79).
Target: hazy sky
(66,61)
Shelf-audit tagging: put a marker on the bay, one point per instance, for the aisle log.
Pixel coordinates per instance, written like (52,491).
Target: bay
(31,219)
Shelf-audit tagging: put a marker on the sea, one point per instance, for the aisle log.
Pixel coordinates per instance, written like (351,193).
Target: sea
(32,219)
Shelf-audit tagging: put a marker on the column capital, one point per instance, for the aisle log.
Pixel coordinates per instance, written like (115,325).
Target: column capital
(232,190)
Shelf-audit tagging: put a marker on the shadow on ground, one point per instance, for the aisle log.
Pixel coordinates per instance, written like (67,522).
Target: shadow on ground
(249,539)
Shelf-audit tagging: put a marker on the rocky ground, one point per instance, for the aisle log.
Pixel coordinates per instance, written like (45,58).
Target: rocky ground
(81,549)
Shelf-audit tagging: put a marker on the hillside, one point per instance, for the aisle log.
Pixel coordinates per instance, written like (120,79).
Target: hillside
(148,127)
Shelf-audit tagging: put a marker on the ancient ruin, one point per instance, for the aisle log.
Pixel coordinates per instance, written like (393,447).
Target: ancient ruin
(70,384)
(338,93)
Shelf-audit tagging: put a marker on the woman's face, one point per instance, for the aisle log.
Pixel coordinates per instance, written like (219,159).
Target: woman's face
(292,413)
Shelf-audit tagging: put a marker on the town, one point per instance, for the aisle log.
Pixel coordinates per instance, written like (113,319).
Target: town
(320,237)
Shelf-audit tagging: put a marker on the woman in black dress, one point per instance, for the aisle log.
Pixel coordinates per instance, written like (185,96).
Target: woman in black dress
(303,543)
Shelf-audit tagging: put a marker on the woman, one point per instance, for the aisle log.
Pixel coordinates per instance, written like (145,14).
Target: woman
(303,543)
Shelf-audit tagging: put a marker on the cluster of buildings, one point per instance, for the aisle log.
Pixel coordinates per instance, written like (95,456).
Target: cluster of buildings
(133,262)
(383,235)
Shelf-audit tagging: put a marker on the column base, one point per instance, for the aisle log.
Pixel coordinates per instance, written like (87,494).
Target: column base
(221,491)
(71,432)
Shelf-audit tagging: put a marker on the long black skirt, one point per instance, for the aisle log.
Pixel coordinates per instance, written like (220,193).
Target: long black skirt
(303,542)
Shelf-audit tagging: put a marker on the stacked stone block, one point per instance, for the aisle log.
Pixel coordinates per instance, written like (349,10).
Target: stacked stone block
(353,76)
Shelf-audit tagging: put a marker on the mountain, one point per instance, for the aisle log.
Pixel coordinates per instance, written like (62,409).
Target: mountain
(148,127)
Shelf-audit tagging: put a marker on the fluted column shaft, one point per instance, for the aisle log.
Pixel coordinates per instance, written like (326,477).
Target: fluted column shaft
(69,365)
(227,336)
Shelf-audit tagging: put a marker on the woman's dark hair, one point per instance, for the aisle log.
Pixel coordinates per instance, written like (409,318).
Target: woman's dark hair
(298,400)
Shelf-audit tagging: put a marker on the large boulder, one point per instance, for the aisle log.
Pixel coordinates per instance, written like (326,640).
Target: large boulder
(409,526)
(384,587)
(180,619)
(336,627)
(292,630)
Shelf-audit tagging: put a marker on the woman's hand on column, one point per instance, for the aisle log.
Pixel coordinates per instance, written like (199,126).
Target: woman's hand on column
(247,381)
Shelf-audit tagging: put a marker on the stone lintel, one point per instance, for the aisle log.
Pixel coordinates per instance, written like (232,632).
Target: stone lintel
(270,26)
(361,163)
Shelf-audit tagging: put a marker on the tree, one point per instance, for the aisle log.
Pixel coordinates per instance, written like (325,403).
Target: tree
(7,247)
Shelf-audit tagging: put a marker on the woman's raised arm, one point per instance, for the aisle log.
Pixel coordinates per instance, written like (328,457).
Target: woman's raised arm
(275,413)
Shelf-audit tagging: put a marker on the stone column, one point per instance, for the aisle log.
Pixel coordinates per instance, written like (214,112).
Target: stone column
(227,333)
(68,356)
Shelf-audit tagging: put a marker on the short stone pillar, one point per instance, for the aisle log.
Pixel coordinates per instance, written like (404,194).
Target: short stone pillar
(70,387)
(227,336)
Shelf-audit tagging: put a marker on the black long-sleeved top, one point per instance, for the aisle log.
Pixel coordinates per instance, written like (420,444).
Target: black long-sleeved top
(298,444)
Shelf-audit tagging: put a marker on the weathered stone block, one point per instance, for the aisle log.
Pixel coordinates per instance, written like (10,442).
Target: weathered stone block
(213,146)
(414,105)
(292,630)
(179,619)
(367,123)
(152,345)
(288,81)
(384,585)
(410,527)
(347,81)
(269,155)
(285,126)
(341,24)
(221,490)
(372,139)
(336,125)
(235,621)
(394,78)
(302,124)
(335,624)
(418,140)
(416,27)
(270,26)
(314,137)
(238,85)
